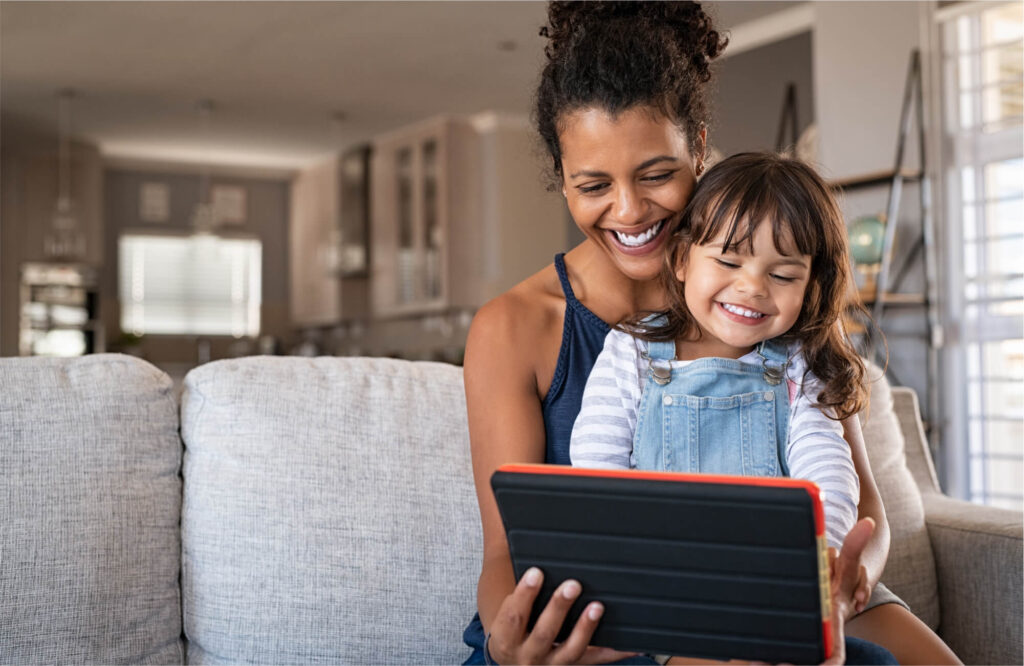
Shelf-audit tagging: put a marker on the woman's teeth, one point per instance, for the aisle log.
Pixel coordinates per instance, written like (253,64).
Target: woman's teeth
(639,239)
(735,309)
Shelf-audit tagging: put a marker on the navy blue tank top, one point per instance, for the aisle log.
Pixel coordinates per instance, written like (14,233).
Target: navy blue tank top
(582,340)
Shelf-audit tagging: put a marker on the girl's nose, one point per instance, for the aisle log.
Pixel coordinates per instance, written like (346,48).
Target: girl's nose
(751,285)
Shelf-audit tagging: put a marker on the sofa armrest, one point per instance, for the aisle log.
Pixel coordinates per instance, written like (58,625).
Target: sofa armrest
(978,563)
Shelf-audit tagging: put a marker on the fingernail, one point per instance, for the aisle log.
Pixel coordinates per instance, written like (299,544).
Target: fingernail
(595,611)
(571,589)
(532,576)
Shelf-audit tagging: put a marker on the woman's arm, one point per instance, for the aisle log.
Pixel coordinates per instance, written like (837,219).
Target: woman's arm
(872,560)
(506,425)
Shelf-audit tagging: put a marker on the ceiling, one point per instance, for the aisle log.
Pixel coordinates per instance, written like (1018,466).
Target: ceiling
(291,82)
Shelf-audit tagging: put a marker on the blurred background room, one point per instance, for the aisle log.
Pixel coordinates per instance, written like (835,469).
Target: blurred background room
(192,181)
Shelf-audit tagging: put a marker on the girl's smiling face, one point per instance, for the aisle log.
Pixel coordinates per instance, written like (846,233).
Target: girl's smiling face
(741,297)
(624,178)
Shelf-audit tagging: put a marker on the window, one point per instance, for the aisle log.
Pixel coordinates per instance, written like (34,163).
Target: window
(190,285)
(983,110)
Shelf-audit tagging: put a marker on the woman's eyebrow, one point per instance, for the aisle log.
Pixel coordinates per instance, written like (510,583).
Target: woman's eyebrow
(644,165)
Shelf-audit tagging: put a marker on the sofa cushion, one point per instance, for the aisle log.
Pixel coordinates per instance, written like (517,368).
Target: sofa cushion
(329,512)
(910,569)
(90,499)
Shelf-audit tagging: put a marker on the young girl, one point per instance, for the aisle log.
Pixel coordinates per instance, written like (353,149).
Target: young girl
(748,371)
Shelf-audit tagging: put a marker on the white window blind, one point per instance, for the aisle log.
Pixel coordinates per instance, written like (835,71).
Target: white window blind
(982,54)
(190,285)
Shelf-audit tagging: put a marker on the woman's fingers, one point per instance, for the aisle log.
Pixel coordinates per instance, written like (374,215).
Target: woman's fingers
(575,649)
(510,624)
(575,646)
(539,644)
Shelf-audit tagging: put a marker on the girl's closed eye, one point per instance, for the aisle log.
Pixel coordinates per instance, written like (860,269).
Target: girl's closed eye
(726,263)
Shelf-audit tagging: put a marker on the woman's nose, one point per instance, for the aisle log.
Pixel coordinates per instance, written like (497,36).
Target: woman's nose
(629,208)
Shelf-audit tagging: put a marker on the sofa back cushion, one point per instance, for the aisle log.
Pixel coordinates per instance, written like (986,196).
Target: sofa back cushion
(329,512)
(90,498)
(910,569)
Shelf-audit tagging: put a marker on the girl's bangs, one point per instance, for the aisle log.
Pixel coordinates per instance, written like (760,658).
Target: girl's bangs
(745,203)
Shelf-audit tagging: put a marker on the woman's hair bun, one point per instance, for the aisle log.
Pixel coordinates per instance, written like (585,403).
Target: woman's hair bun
(690,26)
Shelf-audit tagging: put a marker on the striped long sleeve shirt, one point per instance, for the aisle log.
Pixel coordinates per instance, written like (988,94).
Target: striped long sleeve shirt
(602,436)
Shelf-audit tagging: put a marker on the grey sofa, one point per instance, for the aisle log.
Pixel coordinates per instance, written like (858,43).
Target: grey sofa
(290,510)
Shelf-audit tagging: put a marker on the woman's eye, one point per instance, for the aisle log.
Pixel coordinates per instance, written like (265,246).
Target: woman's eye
(659,177)
(589,189)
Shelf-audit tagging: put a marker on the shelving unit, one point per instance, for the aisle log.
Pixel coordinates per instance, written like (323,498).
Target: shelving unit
(60,310)
(886,294)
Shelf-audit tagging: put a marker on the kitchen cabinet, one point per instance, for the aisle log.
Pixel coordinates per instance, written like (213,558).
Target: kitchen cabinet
(328,242)
(459,214)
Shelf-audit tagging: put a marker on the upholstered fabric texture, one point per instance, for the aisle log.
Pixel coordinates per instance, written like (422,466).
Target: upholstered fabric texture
(329,513)
(90,499)
(910,569)
(980,622)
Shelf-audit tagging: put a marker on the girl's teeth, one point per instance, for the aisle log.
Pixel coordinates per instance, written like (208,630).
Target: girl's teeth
(740,311)
(639,239)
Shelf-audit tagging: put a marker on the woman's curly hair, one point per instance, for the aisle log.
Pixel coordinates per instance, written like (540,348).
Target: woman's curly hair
(619,55)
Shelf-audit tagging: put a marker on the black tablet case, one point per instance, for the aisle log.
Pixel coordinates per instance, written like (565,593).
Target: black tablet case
(689,565)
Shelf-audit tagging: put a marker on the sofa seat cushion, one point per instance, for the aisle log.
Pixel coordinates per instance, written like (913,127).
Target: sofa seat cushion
(329,512)
(90,499)
(910,569)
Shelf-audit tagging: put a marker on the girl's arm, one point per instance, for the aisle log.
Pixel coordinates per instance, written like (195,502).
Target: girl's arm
(817,451)
(602,436)
(506,425)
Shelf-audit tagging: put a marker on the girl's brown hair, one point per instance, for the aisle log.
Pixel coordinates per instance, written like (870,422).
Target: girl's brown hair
(729,202)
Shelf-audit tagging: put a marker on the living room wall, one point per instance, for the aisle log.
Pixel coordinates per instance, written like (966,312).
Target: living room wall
(266,218)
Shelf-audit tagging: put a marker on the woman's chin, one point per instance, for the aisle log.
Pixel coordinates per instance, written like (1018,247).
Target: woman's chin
(644,268)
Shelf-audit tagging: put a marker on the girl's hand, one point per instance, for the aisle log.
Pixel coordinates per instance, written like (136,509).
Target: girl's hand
(509,642)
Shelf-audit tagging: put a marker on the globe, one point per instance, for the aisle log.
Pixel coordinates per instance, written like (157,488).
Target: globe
(866,235)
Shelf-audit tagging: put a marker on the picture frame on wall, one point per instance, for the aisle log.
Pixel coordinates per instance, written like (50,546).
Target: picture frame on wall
(229,204)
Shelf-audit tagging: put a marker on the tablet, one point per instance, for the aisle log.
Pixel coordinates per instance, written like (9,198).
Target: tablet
(694,565)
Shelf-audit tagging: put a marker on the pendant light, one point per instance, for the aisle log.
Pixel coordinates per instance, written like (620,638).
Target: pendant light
(66,241)
(204,221)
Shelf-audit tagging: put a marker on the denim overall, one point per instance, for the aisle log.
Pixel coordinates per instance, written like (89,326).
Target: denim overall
(714,415)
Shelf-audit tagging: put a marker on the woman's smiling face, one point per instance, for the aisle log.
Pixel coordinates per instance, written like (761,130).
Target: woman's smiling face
(624,179)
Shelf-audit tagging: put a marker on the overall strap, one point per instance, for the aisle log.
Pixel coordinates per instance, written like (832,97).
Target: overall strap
(774,350)
(661,351)
(775,361)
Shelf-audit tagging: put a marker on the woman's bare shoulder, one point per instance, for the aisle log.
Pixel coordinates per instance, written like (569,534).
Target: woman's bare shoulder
(523,312)
(520,327)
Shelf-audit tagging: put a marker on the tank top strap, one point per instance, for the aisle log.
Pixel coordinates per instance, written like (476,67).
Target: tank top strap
(573,303)
(583,335)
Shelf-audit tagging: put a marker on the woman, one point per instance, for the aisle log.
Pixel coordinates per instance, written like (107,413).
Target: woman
(621,108)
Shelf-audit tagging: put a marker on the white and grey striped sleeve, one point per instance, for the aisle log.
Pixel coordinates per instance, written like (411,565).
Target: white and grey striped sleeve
(602,436)
(817,451)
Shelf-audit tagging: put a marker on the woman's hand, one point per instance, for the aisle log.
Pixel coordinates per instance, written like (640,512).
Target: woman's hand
(510,643)
(851,588)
